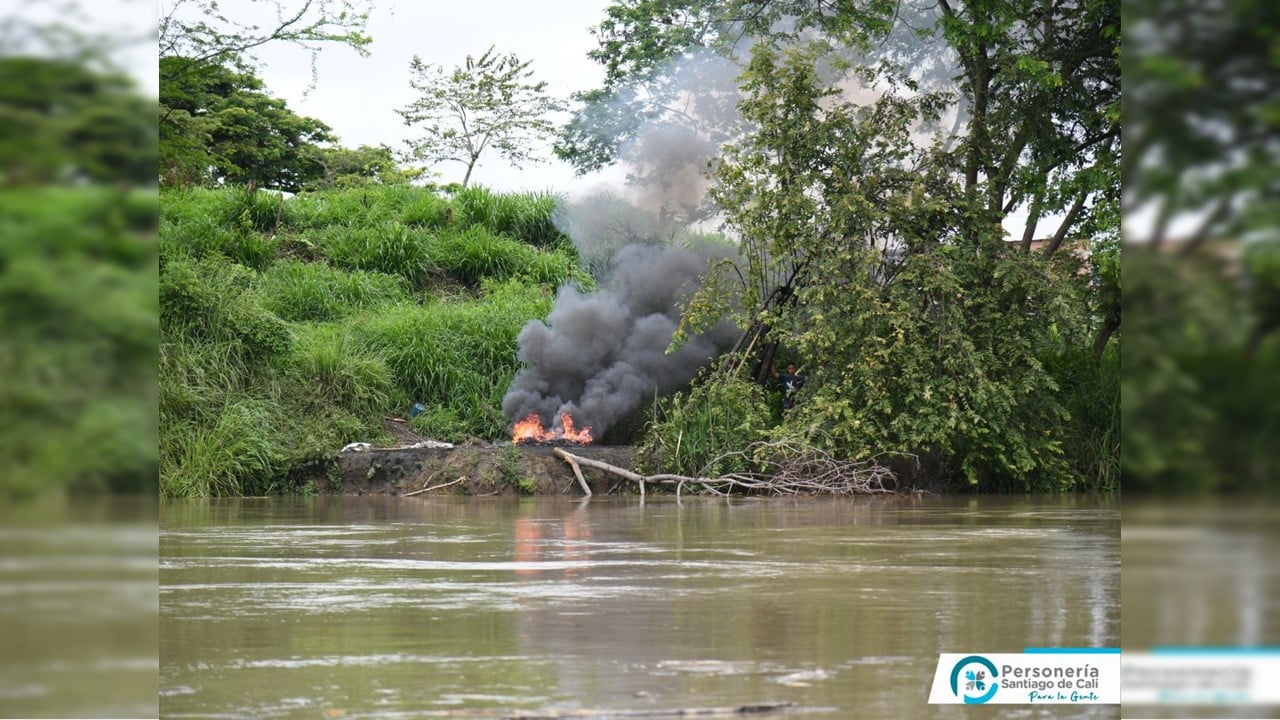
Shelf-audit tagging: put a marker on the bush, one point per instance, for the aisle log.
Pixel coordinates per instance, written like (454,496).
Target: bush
(1090,392)
(720,413)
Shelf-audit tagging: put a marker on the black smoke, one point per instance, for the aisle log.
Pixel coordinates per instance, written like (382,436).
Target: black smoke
(600,355)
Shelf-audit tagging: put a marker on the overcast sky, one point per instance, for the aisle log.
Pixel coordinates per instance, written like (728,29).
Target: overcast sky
(358,96)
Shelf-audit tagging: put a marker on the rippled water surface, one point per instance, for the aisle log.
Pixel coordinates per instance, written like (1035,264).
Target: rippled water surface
(423,607)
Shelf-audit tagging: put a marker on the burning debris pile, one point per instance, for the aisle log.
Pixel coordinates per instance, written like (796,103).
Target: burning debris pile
(599,356)
(529,431)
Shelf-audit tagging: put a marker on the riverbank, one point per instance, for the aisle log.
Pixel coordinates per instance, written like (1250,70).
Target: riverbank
(496,469)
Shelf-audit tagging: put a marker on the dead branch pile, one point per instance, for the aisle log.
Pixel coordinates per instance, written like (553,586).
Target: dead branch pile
(781,468)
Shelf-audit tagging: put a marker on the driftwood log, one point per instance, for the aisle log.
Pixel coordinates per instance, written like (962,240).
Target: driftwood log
(785,469)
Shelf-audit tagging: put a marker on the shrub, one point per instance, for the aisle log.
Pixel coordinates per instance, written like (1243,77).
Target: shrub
(1090,392)
(720,413)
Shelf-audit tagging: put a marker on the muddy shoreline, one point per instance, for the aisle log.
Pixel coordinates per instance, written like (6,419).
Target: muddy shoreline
(503,469)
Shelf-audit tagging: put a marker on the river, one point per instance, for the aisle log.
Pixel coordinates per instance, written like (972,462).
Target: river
(345,607)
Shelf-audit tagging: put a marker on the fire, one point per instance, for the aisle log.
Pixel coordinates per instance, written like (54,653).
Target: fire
(530,430)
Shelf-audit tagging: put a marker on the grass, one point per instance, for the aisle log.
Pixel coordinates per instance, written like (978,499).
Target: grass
(290,327)
(528,216)
(315,292)
(476,254)
(457,358)
(391,248)
(690,431)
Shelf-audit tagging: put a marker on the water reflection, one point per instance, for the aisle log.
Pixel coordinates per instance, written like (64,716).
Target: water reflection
(415,606)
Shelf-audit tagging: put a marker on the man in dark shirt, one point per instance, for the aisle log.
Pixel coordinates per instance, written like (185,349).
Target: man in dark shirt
(791,381)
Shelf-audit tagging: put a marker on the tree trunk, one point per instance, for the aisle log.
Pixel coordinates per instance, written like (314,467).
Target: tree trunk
(1109,326)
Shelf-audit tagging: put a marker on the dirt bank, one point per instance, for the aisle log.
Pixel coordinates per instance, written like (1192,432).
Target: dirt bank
(488,469)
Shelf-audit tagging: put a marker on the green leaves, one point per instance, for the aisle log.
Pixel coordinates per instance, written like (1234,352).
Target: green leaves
(217,125)
(488,103)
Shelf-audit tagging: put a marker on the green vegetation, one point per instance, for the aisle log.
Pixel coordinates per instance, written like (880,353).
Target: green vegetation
(77,360)
(489,103)
(77,270)
(290,327)
(873,237)
(511,470)
(692,431)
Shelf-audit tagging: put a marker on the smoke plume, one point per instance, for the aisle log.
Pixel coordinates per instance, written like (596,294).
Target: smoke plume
(599,356)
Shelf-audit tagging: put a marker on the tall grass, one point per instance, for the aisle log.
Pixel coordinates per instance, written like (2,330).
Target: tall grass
(78,351)
(333,368)
(527,216)
(391,248)
(457,358)
(300,291)
(290,328)
(692,430)
(237,223)
(236,449)
(363,206)
(475,254)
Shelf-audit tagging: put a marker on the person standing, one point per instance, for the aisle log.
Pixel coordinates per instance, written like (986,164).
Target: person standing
(791,381)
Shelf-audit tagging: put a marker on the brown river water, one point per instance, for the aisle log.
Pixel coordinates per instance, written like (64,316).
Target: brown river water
(352,607)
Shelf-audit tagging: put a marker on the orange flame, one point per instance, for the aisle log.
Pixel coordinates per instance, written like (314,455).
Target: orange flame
(530,430)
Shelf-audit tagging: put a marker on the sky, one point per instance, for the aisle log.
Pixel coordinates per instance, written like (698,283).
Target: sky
(358,96)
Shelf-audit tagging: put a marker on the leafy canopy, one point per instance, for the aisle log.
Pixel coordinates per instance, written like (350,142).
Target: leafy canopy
(489,102)
(218,125)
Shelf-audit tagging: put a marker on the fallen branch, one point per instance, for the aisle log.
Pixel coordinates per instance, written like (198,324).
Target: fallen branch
(435,487)
(785,469)
(577,471)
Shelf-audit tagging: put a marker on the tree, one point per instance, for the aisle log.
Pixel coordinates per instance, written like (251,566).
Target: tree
(365,165)
(1202,279)
(933,352)
(63,120)
(201,31)
(488,102)
(874,234)
(217,125)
